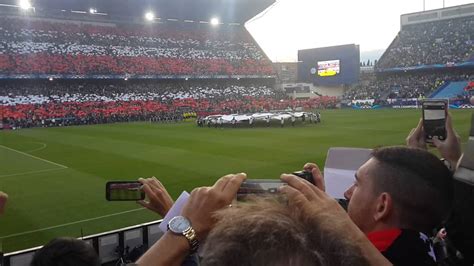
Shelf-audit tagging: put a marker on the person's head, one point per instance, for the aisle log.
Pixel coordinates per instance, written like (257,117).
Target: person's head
(266,232)
(66,252)
(400,187)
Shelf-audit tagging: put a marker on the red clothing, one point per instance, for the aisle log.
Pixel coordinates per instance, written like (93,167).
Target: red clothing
(382,240)
(404,247)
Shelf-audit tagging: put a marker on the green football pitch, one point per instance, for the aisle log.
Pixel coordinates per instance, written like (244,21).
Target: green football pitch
(56,177)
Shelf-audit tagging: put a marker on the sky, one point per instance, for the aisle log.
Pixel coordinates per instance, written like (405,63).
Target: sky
(291,25)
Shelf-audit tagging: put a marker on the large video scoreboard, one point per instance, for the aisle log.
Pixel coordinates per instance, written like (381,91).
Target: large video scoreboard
(335,65)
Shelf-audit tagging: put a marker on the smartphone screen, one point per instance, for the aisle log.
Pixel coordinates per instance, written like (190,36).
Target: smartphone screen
(434,120)
(258,187)
(124,191)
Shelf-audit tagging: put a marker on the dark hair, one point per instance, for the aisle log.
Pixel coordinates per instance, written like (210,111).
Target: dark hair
(268,232)
(419,183)
(66,252)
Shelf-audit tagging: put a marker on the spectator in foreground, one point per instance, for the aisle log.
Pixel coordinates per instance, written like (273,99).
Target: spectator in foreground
(312,230)
(268,232)
(399,197)
(66,252)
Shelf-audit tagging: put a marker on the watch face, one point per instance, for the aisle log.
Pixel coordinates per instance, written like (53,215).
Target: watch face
(179,224)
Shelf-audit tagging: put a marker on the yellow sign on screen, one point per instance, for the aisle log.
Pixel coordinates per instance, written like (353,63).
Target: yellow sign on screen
(327,73)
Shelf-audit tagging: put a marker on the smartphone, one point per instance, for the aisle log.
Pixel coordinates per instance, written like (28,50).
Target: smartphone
(259,187)
(124,191)
(434,119)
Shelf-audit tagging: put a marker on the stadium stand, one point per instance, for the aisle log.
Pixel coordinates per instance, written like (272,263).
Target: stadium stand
(28,104)
(34,47)
(42,46)
(404,85)
(429,57)
(431,43)
(452,89)
(38,92)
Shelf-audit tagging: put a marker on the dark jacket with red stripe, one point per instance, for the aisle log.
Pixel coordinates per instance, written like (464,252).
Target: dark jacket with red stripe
(404,247)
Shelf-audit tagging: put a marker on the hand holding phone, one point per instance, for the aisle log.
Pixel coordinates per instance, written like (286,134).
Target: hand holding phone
(450,148)
(124,191)
(158,199)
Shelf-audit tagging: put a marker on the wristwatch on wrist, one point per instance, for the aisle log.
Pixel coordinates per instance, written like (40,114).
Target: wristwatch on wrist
(179,225)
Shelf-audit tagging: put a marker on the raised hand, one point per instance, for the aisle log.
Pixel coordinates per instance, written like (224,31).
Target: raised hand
(158,199)
(416,138)
(318,178)
(450,148)
(204,201)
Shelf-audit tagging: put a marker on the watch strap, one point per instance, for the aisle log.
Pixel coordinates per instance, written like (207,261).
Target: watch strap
(190,235)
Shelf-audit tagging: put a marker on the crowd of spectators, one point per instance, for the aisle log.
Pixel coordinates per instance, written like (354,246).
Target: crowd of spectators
(91,103)
(440,42)
(403,85)
(106,91)
(62,47)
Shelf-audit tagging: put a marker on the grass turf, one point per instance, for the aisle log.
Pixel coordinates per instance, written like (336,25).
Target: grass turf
(60,189)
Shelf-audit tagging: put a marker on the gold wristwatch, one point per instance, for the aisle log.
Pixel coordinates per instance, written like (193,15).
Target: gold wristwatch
(179,225)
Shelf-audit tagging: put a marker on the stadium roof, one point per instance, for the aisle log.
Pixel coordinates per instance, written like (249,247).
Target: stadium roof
(227,11)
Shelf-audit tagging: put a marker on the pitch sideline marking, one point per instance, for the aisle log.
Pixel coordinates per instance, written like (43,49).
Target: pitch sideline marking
(34,157)
(67,224)
(43,146)
(33,172)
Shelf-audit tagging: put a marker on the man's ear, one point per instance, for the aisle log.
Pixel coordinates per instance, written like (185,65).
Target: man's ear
(383,207)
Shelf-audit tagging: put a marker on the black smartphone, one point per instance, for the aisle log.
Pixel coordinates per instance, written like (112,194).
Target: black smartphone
(124,191)
(259,187)
(434,119)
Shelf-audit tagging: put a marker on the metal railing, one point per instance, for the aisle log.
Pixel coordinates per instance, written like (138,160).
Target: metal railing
(110,246)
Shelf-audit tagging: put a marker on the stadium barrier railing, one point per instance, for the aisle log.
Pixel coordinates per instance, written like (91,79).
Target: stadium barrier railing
(110,246)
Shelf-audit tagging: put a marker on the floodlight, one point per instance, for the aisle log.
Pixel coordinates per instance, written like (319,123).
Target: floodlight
(214,21)
(51,78)
(24,4)
(125,79)
(92,10)
(149,16)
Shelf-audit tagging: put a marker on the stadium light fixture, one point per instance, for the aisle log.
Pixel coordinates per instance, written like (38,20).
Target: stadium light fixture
(149,16)
(24,4)
(92,10)
(214,21)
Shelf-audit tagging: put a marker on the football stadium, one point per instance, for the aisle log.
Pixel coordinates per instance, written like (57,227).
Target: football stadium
(124,125)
